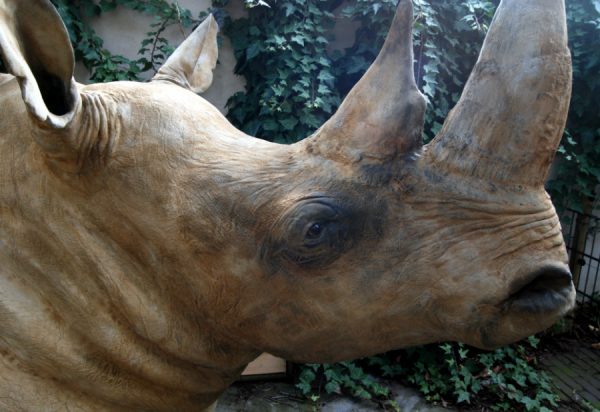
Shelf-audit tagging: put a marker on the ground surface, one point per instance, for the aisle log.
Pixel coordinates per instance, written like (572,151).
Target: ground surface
(282,397)
(574,367)
(572,359)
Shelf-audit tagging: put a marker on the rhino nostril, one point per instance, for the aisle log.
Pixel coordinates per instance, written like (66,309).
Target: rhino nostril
(543,290)
(553,279)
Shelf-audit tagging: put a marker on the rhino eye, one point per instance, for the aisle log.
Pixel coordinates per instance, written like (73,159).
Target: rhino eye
(315,231)
(312,234)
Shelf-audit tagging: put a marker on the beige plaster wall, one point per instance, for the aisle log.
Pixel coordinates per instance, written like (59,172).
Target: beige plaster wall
(123,30)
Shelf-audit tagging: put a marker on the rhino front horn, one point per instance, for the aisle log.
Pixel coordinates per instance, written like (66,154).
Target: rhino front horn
(382,116)
(509,120)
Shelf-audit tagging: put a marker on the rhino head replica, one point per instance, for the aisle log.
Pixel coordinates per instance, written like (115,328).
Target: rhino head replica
(149,250)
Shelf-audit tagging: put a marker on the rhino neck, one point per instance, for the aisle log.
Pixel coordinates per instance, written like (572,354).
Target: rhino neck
(103,309)
(96,305)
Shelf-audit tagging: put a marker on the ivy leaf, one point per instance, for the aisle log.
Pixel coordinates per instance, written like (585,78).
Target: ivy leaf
(289,123)
(270,125)
(325,76)
(463,396)
(289,9)
(253,51)
(304,387)
(332,387)
(298,40)
(530,404)
(90,9)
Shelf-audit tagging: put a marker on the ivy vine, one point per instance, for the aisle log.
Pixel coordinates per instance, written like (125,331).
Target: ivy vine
(577,175)
(283,54)
(295,81)
(281,50)
(447,38)
(105,66)
(448,373)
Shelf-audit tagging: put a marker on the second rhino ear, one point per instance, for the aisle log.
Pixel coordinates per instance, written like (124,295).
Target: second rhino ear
(192,63)
(36,49)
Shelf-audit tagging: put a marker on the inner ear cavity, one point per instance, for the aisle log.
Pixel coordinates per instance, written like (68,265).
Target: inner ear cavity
(55,93)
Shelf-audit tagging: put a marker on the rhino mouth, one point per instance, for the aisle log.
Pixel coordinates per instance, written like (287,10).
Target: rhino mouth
(547,290)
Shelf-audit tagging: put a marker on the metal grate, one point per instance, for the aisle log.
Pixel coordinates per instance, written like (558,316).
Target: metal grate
(582,236)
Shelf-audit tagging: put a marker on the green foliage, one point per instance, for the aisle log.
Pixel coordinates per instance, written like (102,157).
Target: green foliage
(89,47)
(281,50)
(346,377)
(578,173)
(284,102)
(447,37)
(295,81)
(503,380)
(352,378)
(105,66)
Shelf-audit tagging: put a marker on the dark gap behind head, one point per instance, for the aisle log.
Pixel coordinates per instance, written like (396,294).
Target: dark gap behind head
(54,92)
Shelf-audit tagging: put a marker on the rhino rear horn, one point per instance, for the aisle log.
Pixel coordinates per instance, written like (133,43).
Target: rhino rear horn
(192,63)
(510,118)
(382,116)
(36,49)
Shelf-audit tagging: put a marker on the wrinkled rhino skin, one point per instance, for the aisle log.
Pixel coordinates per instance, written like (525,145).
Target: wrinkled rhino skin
(149,250)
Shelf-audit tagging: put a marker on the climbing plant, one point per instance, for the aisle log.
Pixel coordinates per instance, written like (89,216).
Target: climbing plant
(89,47)
(448,373)
(296,78)
(447,37)
(577,174)
(105,66)
(281,50)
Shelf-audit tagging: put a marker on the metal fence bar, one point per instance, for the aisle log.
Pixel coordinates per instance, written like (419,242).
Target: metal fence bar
(583,246)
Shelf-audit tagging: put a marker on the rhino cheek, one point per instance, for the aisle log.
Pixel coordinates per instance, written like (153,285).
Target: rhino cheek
(308,327)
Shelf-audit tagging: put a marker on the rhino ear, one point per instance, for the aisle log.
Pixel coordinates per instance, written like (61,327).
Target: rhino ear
(36,49)
(192,63)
